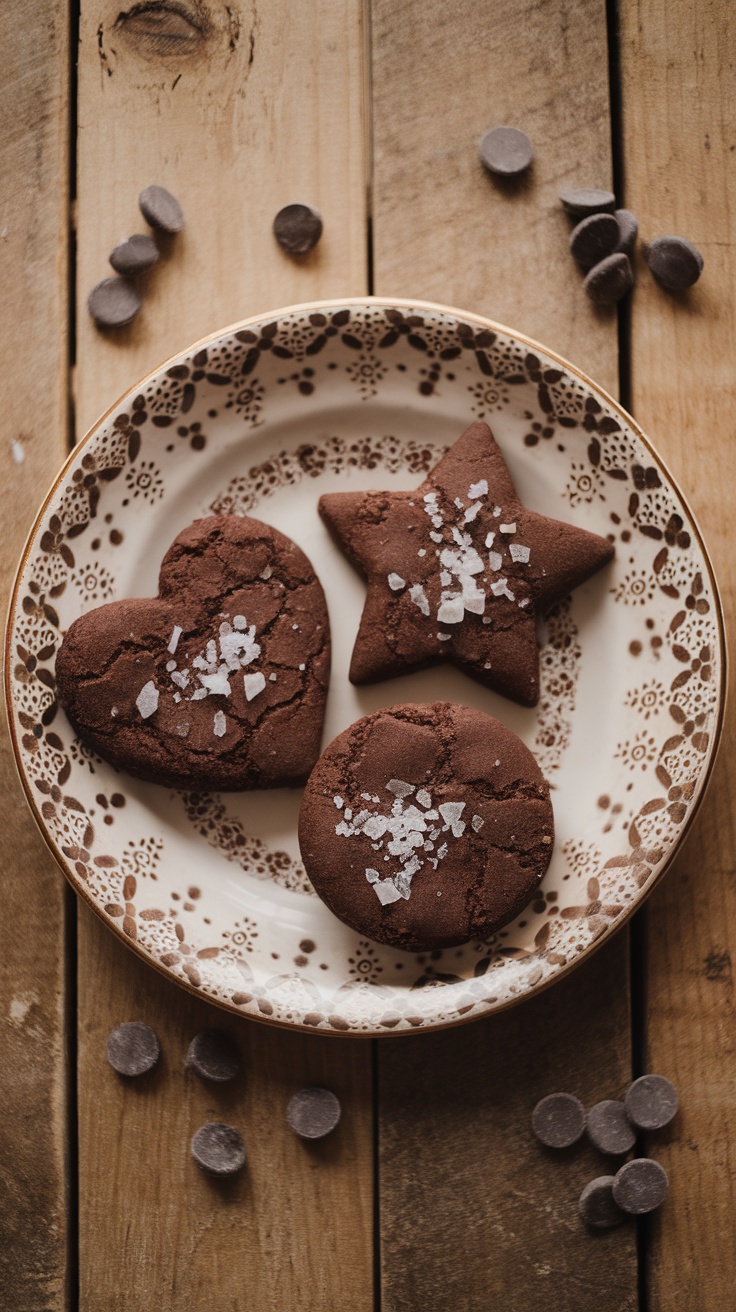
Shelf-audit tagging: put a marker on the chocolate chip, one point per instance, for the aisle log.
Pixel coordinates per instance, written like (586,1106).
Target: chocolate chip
(594,238)
(214,1056)
(132,1048)
(609,280)
(297,228)
(135,255)
(640,1186)
(608,1127)
(558,1120)
(161,209)
(587,200)
(114,302)
(651,1102)
(597,1206)
(218,1149)
(313,1113)
(675,263)
(507,151)
(628,227)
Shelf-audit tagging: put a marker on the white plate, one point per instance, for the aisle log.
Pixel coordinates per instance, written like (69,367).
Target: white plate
(261,419)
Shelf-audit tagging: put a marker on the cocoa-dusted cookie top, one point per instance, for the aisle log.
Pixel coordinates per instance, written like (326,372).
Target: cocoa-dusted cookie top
(424,826)
(220,681)
(458,570)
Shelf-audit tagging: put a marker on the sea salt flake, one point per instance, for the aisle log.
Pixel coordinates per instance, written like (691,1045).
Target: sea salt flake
(519,553)
(471,512)
(386,891)
(295,627)
(170,665)
(376,826)
(477,822)
(220,724)
(419,597)
(372,875)
(443,637)
(266,573)
(114,711)
(396,583)
(272,678)
(524,602)
(436,537)
(441,852)
(174,639)
(180,678)
(500,588)
(403,885)
(182,729)
(495,560)
(147,699)
(508,528)
(338,802)
(429,497)
(216,683)
(497,511)
(424,798)
(489,539)
(302,667)
(224,629)
(422,551)
(479,489)
(177,697)
(451,811)
(451,611)
(198,695)
(253,684)
(399,788)
(240,622)
(344,830)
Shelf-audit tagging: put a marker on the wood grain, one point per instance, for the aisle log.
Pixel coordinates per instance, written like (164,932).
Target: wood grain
(239,111)
(445,230)
(677,65)
(473,1214)
(33,387)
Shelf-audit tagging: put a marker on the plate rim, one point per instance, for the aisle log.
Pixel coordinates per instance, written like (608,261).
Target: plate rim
(400,303)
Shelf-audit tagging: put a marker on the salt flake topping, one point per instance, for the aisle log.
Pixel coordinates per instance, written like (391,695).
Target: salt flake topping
(174,639)
(253,684)
(147,699)
(405,832)
(220,725)
(396,583)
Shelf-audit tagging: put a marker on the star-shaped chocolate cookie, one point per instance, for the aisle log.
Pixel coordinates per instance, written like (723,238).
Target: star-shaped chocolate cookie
(458,570)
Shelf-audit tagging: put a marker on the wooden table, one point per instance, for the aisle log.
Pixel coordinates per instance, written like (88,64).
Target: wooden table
(433,1196)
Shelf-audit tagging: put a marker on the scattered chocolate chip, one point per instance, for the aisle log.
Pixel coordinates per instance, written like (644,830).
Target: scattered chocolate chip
(587,200)
(214,1056)
(608,1127)
(675,263)
(597,1206)
(507,151)
(218,1149)
(135,255)
(609,280)
(161,209)
(297,228)
(313,1113)
(651,1102)
(640,1186)
(132,1048)
(558,1120)
(628,227)
(594,238)
(114,302)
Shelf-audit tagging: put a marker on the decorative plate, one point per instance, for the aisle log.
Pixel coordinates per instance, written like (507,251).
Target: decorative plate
(259,420)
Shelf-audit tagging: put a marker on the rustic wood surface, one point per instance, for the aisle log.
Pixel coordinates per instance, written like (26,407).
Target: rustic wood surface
(678,64)
(432,1194)
(460,1173)
(255,88)
(33,336)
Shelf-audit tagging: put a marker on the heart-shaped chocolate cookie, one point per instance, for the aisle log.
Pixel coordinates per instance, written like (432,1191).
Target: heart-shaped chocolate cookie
(221,680)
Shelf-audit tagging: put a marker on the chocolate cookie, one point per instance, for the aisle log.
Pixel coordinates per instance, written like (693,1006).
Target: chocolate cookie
(220,681)
(458,570)
(426,826)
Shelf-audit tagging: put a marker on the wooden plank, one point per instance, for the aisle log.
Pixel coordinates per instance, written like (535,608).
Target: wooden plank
(237,115)
(677,65)
(237,112)
(33,334)
(473,1215)
(443,229)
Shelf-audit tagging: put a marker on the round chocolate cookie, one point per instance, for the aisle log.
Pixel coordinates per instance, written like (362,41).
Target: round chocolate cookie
(220,681)
(425,826)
